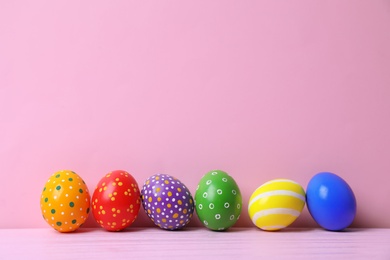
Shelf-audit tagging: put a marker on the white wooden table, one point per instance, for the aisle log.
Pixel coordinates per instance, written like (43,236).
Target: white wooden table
(195,243)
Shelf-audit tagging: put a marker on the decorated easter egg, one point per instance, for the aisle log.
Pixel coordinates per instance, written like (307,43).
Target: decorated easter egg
(167,202)
(331,201)
(116,201)
(276,204)
(65,201)
(218,200)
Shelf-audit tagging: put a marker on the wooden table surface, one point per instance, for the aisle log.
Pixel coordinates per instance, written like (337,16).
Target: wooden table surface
(195,243)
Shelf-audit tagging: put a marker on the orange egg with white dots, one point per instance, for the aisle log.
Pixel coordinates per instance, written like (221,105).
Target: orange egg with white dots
(65,201)
(116,201)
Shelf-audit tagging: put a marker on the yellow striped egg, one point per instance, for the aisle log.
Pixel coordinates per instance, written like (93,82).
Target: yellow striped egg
(276,204)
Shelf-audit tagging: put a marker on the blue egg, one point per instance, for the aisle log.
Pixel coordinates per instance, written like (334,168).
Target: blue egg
(330,201)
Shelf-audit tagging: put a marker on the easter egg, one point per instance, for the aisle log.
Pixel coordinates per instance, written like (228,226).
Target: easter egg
(218,200)
(116,201)
(331,201)
(276,204)
(65,201)
(167,201)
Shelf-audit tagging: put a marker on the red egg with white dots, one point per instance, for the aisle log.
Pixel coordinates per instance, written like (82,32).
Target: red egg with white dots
(116,201)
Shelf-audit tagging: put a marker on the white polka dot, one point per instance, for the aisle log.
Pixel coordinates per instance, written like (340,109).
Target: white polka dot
(205,195)
(238,206)
(211,206)
(224,179)
(219,191)
(234,192)
(231,217)
(200,206)
(217,216)
(214,173)
(208,182)
(226,205)
(205,222)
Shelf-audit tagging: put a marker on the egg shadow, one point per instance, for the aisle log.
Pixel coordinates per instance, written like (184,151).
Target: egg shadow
(294,230)
(347,230)
(77,231)
(131,230)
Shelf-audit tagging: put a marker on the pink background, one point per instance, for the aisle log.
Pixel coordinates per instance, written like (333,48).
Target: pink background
(260,89)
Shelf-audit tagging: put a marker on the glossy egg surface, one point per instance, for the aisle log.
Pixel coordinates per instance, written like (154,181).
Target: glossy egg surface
(167,202)
(331,201)
(65,201)
(276,204)
(116,201)
(218,200)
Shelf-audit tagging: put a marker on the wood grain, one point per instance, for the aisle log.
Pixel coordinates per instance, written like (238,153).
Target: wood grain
(195,243)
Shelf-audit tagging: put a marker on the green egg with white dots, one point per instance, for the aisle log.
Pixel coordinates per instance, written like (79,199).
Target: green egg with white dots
(218,200)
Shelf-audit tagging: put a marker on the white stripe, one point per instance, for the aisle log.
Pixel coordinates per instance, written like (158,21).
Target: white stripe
(276,192)
(273,227)
(275,211)
(280,180)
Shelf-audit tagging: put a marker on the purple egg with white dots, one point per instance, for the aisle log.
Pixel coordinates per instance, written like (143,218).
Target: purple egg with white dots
(167,201)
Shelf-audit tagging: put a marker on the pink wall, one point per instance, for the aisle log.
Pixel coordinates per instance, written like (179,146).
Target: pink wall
(260,89)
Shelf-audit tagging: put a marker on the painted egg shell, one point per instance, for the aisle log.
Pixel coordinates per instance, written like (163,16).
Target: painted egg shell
(276,204)
(167,202)
(116,201)
(65,201)
(218,200)
(331,201)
